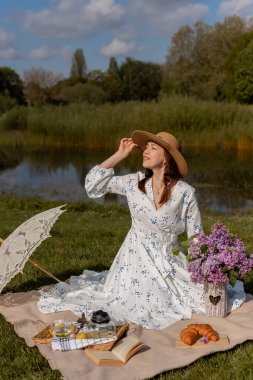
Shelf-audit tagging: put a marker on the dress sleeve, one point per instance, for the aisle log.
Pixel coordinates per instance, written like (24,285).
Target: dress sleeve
(193,217)
(100,181)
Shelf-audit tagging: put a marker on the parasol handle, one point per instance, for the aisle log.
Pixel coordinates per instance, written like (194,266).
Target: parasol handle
(44,270)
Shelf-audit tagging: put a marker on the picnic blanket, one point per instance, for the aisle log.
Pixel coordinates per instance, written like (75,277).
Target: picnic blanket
(160,353)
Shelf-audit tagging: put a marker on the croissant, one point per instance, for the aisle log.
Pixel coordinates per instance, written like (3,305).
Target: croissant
(191,334)
(205,330)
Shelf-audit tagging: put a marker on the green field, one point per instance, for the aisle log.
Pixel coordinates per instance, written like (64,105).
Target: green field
(88,236)
(194,122)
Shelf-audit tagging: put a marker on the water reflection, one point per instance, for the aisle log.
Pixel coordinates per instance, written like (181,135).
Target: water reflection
(223,179)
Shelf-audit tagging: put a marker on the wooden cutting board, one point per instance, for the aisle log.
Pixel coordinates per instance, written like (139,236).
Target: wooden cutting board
(222,342)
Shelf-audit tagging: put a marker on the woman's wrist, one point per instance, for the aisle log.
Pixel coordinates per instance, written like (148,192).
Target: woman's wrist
(120,156)
(112,161)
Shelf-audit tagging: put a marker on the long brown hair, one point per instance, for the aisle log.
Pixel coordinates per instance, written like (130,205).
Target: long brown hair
(170,172)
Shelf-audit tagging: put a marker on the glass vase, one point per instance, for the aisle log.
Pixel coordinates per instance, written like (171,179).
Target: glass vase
(216,299)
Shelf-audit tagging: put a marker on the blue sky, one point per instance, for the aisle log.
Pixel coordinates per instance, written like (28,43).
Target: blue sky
(45,33)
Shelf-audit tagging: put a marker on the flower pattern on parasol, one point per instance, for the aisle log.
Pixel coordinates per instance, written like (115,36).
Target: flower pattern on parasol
(16,250)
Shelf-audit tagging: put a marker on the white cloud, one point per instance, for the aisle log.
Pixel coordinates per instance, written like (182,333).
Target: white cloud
(183,15)
(242,8)
(5,38)
(43,52)
(166,17)
(7,48)
(74,18)
(8,53)
(117,47)
(149,6)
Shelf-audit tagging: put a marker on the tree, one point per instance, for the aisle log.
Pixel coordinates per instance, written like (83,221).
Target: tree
(59,91)
(96,77)
(39,84)
(243,42)
(78,68)
(195,63)
(11,85)
(80,93)
(243,72)
(41,77)
(113,85)
(222,40)
(141,80)
(186,61)
(113,69)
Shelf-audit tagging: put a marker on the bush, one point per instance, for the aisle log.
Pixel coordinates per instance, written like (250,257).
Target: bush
(80,93)
(15,119)
(6,103)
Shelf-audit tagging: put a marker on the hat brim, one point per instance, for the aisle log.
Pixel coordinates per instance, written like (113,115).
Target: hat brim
(141,138)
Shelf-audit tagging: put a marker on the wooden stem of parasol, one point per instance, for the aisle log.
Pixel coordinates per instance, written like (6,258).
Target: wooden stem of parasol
(44,270)
(38,266)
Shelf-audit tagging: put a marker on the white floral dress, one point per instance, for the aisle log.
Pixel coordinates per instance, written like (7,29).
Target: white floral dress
(146,283)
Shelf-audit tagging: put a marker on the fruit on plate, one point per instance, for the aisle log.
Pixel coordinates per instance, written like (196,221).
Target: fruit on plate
(81,335)
(73,329)
(57,326)
(61,334)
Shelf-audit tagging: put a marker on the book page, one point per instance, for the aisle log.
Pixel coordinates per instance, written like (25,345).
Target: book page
(124,346)
(105,355)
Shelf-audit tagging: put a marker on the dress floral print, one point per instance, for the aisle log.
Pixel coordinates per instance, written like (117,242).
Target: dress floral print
(146,283)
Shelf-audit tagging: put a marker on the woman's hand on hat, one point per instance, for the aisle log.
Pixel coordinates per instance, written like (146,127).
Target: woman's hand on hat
(125,147)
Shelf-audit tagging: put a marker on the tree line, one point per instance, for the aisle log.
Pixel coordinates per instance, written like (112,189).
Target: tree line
(132,80)
(212,61)
(204,61)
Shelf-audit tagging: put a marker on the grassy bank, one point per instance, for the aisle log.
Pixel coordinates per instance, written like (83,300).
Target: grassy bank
(195,123)
(88,236)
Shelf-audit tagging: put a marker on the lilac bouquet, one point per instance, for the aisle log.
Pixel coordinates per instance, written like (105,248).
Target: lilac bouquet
(217,258)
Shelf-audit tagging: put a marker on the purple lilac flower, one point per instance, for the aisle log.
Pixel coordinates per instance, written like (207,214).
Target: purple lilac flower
(214,256)
(195,269)
(196,244)
(204,340)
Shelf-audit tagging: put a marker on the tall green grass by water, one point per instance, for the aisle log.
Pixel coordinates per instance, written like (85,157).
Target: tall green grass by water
(194,122)
(88,236)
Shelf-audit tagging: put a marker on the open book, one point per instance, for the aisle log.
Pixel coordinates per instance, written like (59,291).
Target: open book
(119,355)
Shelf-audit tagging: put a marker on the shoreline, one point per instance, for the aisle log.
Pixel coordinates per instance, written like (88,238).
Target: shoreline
(33,142)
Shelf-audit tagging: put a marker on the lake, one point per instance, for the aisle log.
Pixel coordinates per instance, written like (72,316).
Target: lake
(223,179)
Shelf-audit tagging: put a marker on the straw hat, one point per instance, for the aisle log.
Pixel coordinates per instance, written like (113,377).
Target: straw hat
(167,141)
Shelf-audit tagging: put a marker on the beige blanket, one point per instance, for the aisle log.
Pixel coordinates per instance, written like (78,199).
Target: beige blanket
(160,354)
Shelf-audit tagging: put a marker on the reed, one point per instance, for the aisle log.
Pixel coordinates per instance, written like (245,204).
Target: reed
(193,121)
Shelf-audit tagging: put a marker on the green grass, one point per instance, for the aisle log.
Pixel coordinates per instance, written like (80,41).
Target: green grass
(193,121)
(88,236)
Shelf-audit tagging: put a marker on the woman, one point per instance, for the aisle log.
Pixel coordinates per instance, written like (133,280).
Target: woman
(146,283)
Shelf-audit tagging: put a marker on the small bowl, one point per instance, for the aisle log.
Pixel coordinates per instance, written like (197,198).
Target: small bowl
(100,316)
